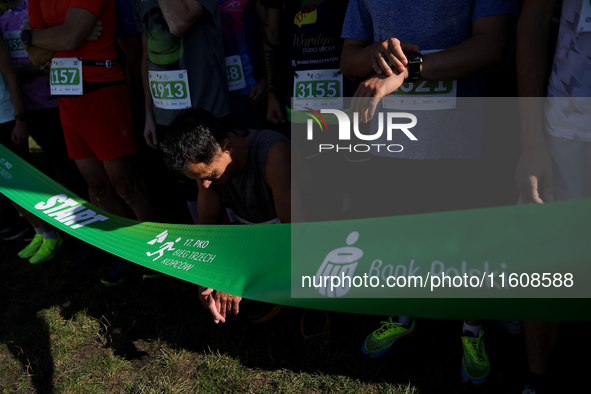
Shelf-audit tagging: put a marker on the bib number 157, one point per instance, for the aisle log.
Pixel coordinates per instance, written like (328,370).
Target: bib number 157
(65,76)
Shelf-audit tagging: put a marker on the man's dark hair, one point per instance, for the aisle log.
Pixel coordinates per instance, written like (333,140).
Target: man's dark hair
(194,136)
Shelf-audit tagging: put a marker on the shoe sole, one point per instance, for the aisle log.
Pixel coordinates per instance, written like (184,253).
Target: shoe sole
(111,284)
(321,333)
(16,236)
(274,312)
(475,382)
(382,353)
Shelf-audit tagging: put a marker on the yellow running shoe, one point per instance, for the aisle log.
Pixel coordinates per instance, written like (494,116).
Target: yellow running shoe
(32,247)
(47,250)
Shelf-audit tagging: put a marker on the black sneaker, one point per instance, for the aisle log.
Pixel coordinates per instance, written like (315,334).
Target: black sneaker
(21,229)
(314,323)
(119,274)
(150,274)
(262,311)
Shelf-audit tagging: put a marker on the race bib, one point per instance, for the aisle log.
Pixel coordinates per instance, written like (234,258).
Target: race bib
(235,73)
(12,40)
(585,17)
(65,78)
(272,221)
(318,89)
(170,89)
(423,95)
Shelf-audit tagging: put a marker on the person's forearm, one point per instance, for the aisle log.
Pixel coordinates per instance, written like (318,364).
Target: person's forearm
(55,39)
(479,53)
(148,104)
(16,93)
(39,57)
(271,45)
(180,15)
(356,60)
(533,38)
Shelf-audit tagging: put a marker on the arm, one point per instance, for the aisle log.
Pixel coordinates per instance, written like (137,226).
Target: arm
(131,45)
(150,125)
(271,46)
(181,15)
(218,303)
(39,57)
(482,51)
(19,133)
(77,27)
(533,38)
(278,172)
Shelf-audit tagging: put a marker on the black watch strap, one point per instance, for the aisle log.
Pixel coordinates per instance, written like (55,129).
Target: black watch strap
(26,37)
(22,117)
(415,60)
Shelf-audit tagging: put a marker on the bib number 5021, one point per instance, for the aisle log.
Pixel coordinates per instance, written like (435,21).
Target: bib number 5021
(312,89)
(169,90)
(65,76)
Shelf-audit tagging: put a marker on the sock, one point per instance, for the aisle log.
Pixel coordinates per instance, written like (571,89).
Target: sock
(50,235)
(192,205)
(474,330)
(405,320)
(38,230)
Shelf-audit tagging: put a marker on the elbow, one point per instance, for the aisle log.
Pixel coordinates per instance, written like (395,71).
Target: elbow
(178,30)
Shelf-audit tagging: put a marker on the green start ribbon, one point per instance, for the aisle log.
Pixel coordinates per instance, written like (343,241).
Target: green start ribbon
(520,262)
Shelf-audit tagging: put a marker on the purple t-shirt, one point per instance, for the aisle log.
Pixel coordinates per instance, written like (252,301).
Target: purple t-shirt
(35,88)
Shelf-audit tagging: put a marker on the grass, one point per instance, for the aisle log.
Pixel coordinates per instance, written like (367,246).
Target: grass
(61,331)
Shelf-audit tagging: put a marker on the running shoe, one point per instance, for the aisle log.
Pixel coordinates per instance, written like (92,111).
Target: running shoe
(118,274)
(314,323)
(48,249)
(32,248)
(528,390)
(151,274)
(380,341)
(21,229)
(263,311)
(475,364)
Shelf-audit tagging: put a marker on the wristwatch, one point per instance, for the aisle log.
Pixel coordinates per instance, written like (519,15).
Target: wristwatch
(415,60)
(26,37)
(22,117)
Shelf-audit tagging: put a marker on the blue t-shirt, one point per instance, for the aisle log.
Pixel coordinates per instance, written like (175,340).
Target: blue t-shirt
(433,25)
(125,20)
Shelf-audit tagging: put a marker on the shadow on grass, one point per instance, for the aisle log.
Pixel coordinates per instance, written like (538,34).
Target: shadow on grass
(135,319)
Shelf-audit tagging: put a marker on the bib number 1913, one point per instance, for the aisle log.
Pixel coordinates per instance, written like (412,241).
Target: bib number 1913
(169,90)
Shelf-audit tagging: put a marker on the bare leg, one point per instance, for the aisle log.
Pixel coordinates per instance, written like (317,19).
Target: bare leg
(32,219)
(540,339)
(125,181)
(99,186)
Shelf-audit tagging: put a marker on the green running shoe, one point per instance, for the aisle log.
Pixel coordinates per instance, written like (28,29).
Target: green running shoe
(475,364)
(32,247)
(47,250)
(379,342)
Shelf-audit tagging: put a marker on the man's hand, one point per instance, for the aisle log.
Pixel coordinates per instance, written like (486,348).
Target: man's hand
(150,133)
(95,33)
(368,94)
(534,170)
(20,134)
(392,51)
(258,92)
(218,303)
(274,114)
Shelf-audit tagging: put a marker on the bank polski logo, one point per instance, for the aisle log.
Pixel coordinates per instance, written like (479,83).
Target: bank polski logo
(339,262)
(160,238)
(344,133)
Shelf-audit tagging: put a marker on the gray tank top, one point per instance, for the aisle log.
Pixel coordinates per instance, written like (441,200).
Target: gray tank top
(248,193)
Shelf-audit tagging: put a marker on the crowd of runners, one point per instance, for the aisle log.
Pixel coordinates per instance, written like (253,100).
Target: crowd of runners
(132,101)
